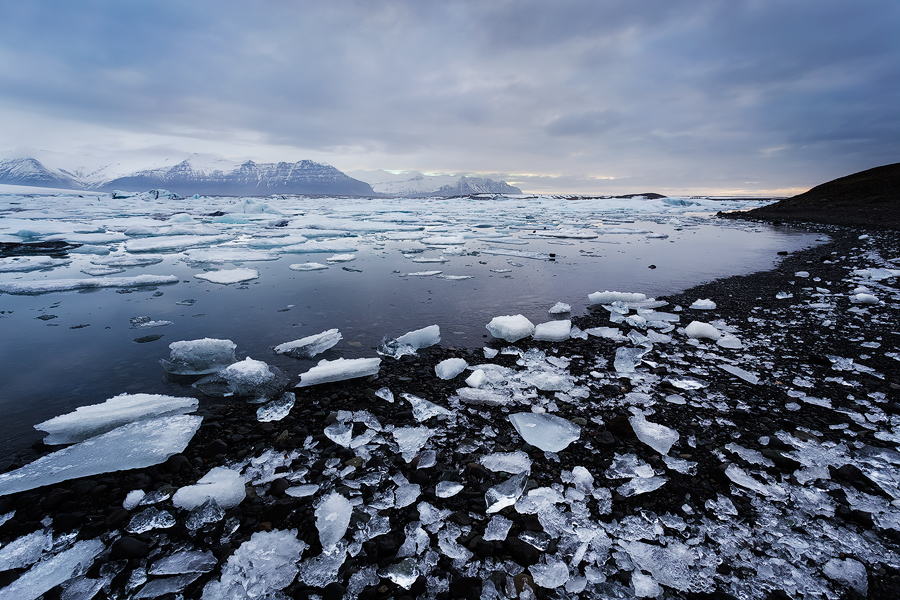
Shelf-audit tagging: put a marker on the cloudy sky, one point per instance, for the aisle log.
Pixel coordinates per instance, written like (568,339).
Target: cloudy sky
(588,96)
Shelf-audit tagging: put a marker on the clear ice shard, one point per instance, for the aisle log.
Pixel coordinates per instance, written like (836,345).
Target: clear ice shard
(642,485)
(165,586)
(260,567)
(321,570)
(547,432)
(627,359)
(206,513)
(340,433)
(404,573)
(186,561)
(248,378)
(391,347)
(53,571)
(25,550)
(421,338)
(505,494)
(497,529)
(221,484)
(411,440)
(659,437)
(510,327)
(447,489)
(149,519)
(332,519)
(276,410)
(131,446)
(551,574)
(88,421)
(450,368)
(483,396)
(508,462)
(328,371)
(424,409)
(741,373)
(311,345)
(199,357)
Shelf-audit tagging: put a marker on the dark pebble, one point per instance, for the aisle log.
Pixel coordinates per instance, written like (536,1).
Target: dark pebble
(129,547)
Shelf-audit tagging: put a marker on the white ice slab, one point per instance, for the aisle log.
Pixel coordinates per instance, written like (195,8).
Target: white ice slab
(659,437)
(510,328)
(421,338)
(311,345)
(699,331)
(228,276)
(173,242)
(328,371)
(450,368)
(553,331)
(550,433)
(45,286)
(223,485)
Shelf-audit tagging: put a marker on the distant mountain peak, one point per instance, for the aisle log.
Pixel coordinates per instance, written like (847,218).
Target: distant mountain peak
(415,184)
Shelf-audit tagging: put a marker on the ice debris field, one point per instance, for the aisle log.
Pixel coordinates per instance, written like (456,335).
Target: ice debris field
(648,448)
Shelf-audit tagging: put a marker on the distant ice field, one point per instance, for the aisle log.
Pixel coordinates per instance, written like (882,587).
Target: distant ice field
(456,263)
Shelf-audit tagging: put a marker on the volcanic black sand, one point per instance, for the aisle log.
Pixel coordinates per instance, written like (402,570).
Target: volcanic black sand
(790,343)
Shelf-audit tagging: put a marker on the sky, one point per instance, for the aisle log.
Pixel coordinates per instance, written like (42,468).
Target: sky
(722,97)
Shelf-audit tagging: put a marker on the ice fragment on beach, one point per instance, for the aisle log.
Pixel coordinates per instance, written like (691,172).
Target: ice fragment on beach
(741,373)
(206,513)
(505,494)
(250,378)
(228,276)
(302,491)
(560,308)
(743,479)
(447,489)
(553,573)
(450,368)
(863,298)
(186,561)
(222,484)
(385,394)
(423,409)
(659,437)
(686,383)
(547,432)
(404,573)
(332,519)
(411,440)
(53,571)
(697,330)
(608,297)
(165,586)
(783,295)
(311,345)
(497,529)
(611,333)
(553,331)
(641,485)
(260,567)
(328,371)
(485,397)
(849,572)
(510,327)
(61,285)
(509,462)
(340,433)
(703,304)
(131,446)
(729,341)
(673,565)
(276,410)
(421,338)
(25,550)
(199,357)
(476,379)
(150,518)
(627,359)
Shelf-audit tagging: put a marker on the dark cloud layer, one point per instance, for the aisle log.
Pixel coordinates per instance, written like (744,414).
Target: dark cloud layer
(593,95)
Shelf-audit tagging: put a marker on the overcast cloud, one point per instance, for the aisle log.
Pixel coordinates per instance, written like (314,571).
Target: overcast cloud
(592,96)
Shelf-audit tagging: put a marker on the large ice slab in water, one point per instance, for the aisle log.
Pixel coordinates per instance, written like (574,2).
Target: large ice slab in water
(49,573)
(422,338)
(310,345)
(511,328)
(553,331)
(547,432)
(228,276)
(608,297)
(64,285)
(131,446)
(659,437)
(223,485)
(250,378)
(87,421)
(328,371)
(173,242)
(199,357)
(22,264)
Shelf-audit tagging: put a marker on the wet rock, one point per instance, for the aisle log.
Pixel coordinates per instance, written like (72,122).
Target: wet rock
(129,547)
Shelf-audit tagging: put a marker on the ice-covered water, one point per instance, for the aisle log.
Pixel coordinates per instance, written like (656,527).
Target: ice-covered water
(500,256)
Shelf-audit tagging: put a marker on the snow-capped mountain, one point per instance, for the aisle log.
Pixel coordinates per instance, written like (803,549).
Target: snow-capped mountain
(413,183)
(31,172)
(249,178)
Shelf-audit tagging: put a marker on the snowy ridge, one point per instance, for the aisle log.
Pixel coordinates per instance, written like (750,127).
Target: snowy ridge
(414,183)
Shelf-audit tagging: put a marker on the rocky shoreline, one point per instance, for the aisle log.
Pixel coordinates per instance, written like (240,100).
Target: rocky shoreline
(780,484)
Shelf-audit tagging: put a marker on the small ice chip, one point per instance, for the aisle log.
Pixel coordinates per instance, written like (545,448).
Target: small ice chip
(450,368)
(703,304)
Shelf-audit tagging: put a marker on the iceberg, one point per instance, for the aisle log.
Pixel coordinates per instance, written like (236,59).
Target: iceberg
(311,345)
(221,484)
(199,357)
(328,371)
(87,421)
(228,276)
(64,285)
(547,432)
(510,328)
(131,446)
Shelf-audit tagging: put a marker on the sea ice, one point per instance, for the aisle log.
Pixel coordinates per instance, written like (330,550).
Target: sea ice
(697,330)
(450,368)
(421,338)
(88,421)
(608,297)
(228,276)
(221,484)
(221,255)
(560,308)
(553,331)
(23,264)
(332,520)
(547,432)
(483,396)
(250,378)
(164,586)
(259,568)
(505,494)
(199,357)
(659,437)
(63,285)
(309,266)
(131,446)
(510,327)
(328,371)
(53,571)
(863,298)
(704,304)
(341,258)
(309,346)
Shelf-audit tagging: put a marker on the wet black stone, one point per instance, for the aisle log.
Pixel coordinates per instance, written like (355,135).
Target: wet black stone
(55,497)
(466,587)
(117,518)
(277,487)
(523,553)
(333,591)
(177,463)
(215,447)
(129,547)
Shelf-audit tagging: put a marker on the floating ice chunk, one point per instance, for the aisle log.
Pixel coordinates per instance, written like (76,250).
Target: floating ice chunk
(553,573)
(53,571)
(553,331)
(146,323)
(476,379)
(340,258)
(659,437)
(510,327)
(131,446)
(704,304)
(221,255)
(547,432)
(186,561)
(862,298)
(642,485)
(560,308)
(424,410)
(729,341)
(309,266)
(23,264)
(228,276)
(509,462)
(314,246)
(332,519)
(741,373)
(26,550)
(447,489)
(340,433)
(505,494)
(276,410)
(173,242)
(309,346)
(88,421)
(608,297)
(221,484)
(404,573)
(328,371)
(497,529)
(422,274)
(697,330)
(516,253)
(199,357)
(421,338)
(849,572)
(250,378)
(149,519)
(411,440)
(450,368)
(391,347)
(482,396)
(61,285)
(261,566)
(628,359)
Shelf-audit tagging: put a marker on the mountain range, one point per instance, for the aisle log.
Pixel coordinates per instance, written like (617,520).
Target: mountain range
(251,179)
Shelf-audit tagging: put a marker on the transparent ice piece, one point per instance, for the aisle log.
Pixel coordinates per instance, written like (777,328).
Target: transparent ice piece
(310,346)
(199,357)
(332,519)
(505,494)
(547,432)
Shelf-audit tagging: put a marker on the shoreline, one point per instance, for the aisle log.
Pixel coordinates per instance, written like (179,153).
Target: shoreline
(788,344)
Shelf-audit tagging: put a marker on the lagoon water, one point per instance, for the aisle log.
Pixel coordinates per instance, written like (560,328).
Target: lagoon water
(65,349)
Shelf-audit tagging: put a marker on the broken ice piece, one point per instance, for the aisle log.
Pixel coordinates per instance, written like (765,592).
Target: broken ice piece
(447,489)
(659,437)
(697,330)
(547,432)
(450,368)
(424,409)
(505,494)
(476,379)
(302,491)
(729,341)
(741,373)
(276,410)
(553,331)
(510,328)
(206,513)
(553,573)
(222,484)
(421,338)
(150,518)
(53,571)
(332,519)
(686,383)
(249,378)
(642,485)
(404,573)
(627,359)
(410,440)
(199,357)
(508,462)
(385,394)
(703,304)
(309,346)
(340,433)
(186,561)
(497,529)
(328,371)
(849,572)
(560,308)
(608,297)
